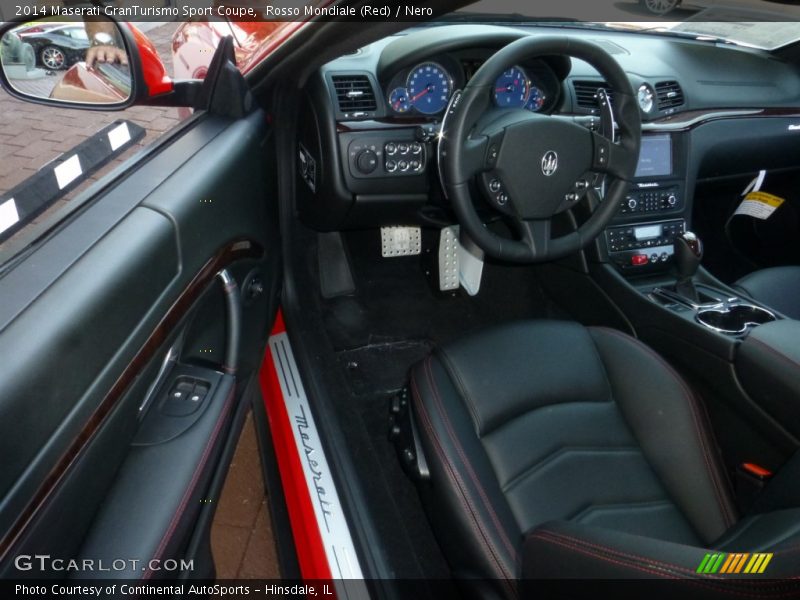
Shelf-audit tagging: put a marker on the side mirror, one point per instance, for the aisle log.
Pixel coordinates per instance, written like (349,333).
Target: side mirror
(93,64)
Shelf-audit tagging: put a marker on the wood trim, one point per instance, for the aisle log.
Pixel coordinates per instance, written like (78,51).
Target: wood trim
(686,121)
(233,251)
(382,123)
(761,112)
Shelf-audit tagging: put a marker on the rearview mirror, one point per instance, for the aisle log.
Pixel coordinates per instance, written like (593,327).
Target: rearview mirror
(85,63)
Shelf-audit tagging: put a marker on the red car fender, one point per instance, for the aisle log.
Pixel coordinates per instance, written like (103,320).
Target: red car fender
(277,36)
(155,74)
(80,84)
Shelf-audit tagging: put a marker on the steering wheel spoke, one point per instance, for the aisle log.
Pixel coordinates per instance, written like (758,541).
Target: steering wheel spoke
(535,235)
(467,158)
(611,158)
(474,155)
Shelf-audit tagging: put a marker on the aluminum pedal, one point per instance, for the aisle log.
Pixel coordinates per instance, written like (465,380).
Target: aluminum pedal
(448,259)
(400,241)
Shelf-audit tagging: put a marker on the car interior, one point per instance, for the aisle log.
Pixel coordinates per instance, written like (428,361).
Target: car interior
(541,281)
(599,391)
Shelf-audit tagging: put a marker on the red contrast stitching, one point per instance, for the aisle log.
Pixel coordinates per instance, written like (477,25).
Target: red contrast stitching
(467,464)
(581,541)
(191,488)
(702,433)
(693,582)
(456,478)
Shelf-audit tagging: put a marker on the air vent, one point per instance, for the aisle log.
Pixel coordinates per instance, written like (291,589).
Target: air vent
(669,94)
(586,92)
(354,94)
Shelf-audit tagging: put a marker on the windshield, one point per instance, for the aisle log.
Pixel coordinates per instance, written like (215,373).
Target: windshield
(761,24)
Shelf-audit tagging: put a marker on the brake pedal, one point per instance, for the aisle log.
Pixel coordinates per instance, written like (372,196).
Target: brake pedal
(449,259)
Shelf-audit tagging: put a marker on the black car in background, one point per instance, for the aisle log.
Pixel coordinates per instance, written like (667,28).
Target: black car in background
(59,47)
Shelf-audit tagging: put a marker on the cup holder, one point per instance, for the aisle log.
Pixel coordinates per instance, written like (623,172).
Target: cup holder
(733,319)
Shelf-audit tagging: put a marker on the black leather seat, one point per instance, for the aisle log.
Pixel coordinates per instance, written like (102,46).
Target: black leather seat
(777,287)
(558,451)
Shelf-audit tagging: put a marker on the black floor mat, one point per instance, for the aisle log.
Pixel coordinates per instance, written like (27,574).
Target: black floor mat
(370,340)
(380,369)
(395,301)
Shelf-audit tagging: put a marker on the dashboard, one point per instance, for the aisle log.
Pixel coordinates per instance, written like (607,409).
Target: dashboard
(367,143)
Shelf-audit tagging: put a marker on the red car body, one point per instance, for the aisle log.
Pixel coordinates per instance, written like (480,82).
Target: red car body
(194,43)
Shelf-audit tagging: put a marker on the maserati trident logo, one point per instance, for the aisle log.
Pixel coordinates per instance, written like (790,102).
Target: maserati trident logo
(549,163)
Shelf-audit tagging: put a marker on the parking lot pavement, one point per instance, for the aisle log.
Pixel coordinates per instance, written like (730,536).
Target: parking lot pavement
(42,86)
(32,135)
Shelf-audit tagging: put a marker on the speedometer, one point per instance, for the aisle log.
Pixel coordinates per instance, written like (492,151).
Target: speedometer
(512,88)
(428,88)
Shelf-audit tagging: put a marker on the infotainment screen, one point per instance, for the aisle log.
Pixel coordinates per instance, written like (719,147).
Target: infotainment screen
(655,157)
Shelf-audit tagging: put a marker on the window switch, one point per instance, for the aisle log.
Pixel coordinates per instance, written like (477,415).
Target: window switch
(198,393)
(184,385)
(181,391)
(184,397)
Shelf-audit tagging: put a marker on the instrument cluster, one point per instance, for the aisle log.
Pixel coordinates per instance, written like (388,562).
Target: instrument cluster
(425,89)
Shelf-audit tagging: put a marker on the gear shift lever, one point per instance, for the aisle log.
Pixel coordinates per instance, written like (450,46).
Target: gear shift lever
(688,254)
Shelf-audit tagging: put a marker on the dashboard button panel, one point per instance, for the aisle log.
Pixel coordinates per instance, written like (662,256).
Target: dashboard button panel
(387,155)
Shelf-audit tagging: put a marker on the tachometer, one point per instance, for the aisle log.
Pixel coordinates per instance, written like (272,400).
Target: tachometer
(536,99)
(399,101)
(428,88)
(512,88)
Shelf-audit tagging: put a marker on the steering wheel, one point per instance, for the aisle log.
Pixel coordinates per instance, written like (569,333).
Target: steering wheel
(532,166)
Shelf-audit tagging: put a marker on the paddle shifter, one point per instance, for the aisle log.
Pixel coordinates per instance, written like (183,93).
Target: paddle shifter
(688,254)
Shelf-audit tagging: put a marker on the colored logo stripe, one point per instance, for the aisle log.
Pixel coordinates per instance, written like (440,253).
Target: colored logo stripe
(711,563)
(734,563)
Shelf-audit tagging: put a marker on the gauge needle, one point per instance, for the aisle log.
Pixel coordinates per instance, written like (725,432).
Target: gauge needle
(503,89)
(421,94)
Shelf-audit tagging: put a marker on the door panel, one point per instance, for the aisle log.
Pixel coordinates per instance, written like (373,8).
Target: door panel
(57,349)
(86,321)
(160,489)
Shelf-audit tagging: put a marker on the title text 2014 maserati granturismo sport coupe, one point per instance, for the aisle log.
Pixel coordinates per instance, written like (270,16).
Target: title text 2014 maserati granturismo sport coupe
(513,301)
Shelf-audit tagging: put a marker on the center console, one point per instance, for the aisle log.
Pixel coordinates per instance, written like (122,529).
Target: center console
(715,310)
(639,240)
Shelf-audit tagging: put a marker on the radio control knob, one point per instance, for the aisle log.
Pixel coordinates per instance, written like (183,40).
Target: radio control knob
(632,203)
(672,200)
